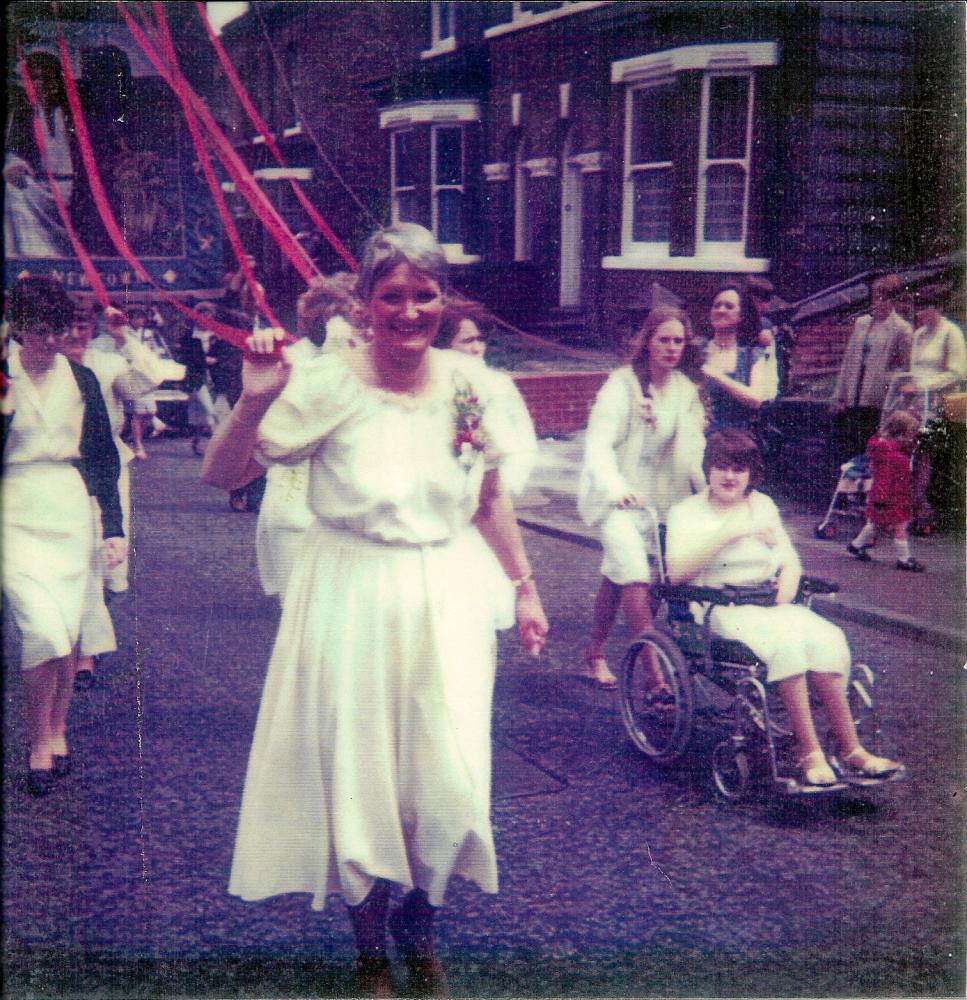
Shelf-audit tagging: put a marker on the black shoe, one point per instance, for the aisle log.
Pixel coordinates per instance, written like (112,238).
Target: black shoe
(40,782)
(83,680)
(858,552)
(911,566)
(62,765)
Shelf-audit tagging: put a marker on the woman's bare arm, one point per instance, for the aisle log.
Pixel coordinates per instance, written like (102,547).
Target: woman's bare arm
(498,525)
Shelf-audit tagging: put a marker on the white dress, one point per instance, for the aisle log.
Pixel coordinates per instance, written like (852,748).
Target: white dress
(371,754)
(788,638)
(623,454)
(284,515)
(123,374)
(47,526)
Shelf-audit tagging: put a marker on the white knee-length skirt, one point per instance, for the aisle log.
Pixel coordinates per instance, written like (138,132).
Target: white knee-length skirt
(788,638)
(47,548)
(371,754)
(626,542)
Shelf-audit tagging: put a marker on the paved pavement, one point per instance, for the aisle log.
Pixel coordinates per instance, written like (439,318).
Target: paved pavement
(928,606)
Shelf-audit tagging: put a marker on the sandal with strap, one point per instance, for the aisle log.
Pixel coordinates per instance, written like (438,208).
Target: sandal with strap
(860,763)
(598,672)
(816,770)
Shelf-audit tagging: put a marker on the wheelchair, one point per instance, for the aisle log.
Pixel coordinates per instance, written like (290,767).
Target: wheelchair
(678,676)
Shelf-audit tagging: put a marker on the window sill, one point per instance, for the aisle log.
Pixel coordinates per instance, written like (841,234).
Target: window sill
(455,255)
(528,19)
(440,48)
(638,261)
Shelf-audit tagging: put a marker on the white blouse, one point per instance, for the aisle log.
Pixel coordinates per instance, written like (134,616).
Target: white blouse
(383,465)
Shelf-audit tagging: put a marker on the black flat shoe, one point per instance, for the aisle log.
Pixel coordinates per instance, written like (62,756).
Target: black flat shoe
(40,782)
(62,765)
(83,680)
(910,566)
(858,552)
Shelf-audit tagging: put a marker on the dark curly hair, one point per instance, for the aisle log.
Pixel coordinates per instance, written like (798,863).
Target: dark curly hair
(733,447)
(748,331)
(38,299)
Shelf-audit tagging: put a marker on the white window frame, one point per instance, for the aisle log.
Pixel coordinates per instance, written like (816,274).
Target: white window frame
(395,188)
(727,59)
(450,249)
(441,43)
(705,247)
(402,117)
(520,19)
(651,247)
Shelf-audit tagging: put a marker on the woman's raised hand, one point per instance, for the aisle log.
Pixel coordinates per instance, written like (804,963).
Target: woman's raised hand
(264,373)
(115,551)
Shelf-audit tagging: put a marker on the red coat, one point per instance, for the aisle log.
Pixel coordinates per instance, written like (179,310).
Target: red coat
(890,501)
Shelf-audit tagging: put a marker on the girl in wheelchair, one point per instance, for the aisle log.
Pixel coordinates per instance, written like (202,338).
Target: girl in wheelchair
(732,534)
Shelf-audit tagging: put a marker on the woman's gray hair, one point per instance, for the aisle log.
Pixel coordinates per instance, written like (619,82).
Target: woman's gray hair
(402,243)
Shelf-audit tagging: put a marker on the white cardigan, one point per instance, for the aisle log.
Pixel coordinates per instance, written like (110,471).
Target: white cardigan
(624,454)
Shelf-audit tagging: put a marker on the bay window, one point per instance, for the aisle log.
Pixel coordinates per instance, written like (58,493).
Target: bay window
(689,198)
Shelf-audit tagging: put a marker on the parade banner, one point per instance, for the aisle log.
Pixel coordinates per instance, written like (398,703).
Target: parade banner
(144,156)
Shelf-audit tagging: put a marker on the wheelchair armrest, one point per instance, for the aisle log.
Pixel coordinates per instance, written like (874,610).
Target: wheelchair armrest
(714,595)
(811,585)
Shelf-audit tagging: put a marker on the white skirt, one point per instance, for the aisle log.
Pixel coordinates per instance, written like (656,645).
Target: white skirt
(371,754)
(97,629)
(788,638)
(47,548)
(626,544)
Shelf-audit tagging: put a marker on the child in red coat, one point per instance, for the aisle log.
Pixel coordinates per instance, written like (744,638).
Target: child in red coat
(890,503)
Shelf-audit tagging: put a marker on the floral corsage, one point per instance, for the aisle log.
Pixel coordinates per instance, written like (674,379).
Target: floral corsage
(467,414)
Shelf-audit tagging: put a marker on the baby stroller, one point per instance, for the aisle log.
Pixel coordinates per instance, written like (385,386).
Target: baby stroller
(855,479)
(849,497)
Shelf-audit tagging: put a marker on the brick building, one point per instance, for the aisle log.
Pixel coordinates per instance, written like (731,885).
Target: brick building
(567,155)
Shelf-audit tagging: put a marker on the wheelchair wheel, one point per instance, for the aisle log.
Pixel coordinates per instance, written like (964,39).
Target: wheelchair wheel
(733,769)
(657,698)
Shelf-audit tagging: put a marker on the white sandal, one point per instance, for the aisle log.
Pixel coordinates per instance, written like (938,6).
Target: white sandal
(816,770)
(861,763)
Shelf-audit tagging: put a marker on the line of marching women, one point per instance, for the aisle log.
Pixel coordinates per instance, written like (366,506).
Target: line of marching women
(64,517)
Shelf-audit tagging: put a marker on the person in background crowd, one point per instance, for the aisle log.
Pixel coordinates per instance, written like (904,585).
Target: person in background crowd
(144,408)
(890,502)
(465,327)
(375,716)
(124,374)
(740,374)
(327,315)
(240,308)
(643,450)
(58,449)
(32,225)
(199,355)
(879,346)
(732,534)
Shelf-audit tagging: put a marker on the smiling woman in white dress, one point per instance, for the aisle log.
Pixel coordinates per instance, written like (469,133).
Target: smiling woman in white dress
(57,448)
(370,763)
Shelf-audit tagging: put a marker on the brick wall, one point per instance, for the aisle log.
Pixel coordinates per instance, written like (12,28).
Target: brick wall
(559,402)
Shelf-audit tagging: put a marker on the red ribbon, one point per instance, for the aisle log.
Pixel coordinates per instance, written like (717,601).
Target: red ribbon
(93,278)
(263,129)
(237,170)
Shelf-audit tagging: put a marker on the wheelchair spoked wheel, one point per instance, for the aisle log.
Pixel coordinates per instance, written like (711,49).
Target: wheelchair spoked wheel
(734,769)
(657,698)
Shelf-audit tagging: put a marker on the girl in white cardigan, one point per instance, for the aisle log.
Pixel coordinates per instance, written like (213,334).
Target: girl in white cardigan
(644,447)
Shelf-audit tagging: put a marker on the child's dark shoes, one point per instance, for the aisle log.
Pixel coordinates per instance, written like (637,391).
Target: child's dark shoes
(910,565)
(858,552)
